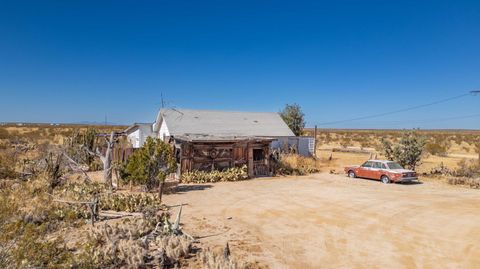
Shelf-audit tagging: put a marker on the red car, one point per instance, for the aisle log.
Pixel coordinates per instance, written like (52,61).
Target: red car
(386,171)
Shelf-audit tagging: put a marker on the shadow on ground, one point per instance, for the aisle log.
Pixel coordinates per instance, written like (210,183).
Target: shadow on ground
(412,183)
(188,188)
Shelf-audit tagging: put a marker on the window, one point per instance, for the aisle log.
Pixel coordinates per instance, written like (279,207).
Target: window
(394,165)
(377,165)
(367,164)
(384,166)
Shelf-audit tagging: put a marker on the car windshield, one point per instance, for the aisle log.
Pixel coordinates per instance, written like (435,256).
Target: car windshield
(394,165)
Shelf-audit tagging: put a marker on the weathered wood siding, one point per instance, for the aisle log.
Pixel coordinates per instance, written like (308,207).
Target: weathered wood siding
(206,156)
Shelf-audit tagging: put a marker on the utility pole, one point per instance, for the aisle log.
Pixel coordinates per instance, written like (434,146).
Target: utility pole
(315,142)
(477,92)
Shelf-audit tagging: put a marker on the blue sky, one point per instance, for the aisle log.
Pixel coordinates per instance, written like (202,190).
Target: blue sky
(73,61)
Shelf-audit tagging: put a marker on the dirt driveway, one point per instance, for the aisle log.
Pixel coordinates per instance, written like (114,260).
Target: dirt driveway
(330,221)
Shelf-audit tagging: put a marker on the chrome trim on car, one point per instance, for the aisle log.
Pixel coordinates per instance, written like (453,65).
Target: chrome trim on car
(407,179)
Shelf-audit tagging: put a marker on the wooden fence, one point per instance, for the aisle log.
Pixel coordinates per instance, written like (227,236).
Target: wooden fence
(122,154)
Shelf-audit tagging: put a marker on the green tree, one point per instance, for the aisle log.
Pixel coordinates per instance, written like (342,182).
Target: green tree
(151,164)
(407,152)
(294,118)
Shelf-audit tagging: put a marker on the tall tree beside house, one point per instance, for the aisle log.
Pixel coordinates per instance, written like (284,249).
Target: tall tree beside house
(151,164)
(294,118)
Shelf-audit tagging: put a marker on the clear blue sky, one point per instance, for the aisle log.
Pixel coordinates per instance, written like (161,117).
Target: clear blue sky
(73,61)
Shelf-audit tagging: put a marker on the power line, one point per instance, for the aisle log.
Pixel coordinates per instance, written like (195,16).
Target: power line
(421,121)
(397,111)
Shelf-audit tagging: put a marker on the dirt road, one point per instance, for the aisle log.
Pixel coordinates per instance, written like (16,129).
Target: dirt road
(330,221)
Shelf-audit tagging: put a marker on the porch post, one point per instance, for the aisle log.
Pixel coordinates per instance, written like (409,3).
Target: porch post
(250,161)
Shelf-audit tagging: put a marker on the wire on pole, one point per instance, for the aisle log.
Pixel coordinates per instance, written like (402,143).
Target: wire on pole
(400,110)
(474,92)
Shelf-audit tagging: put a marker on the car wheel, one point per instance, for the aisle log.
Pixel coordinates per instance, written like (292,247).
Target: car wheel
(385,179)
(351,174)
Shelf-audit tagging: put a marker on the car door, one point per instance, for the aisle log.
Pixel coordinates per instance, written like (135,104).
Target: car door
(364,169)
(376,170)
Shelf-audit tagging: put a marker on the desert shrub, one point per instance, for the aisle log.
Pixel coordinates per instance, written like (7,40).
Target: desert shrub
(407,152)
(293,164)
(30,248)
(133,202)
(212,260)
(8,161)
(365,143)
(437,148)
(150,164)
(26,220)
(345,142)
(458,139)
(4,133)
(230,174)
(471,182)
(477,149)
(34,135)
(37,206)
(441,169)
(327,138)
(467,169)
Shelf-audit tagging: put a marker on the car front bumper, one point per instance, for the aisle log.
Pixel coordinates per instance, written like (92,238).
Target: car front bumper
(406,179)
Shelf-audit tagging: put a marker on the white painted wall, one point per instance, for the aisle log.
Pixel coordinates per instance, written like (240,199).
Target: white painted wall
(300,142)
(134,138)
(139,136)
(163,132)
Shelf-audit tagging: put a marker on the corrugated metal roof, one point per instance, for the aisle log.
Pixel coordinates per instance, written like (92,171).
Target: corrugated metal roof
(224,123)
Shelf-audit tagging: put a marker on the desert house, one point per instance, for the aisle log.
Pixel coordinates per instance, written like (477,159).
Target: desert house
(215,140)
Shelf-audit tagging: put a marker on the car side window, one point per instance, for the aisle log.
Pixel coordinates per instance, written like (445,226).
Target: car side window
(384,166)
(377,165)
(367,164)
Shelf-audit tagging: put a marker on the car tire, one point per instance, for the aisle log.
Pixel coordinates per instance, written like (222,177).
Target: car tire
(351,174)
(385,179)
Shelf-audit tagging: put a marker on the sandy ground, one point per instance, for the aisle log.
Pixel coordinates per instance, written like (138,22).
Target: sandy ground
(330,221)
